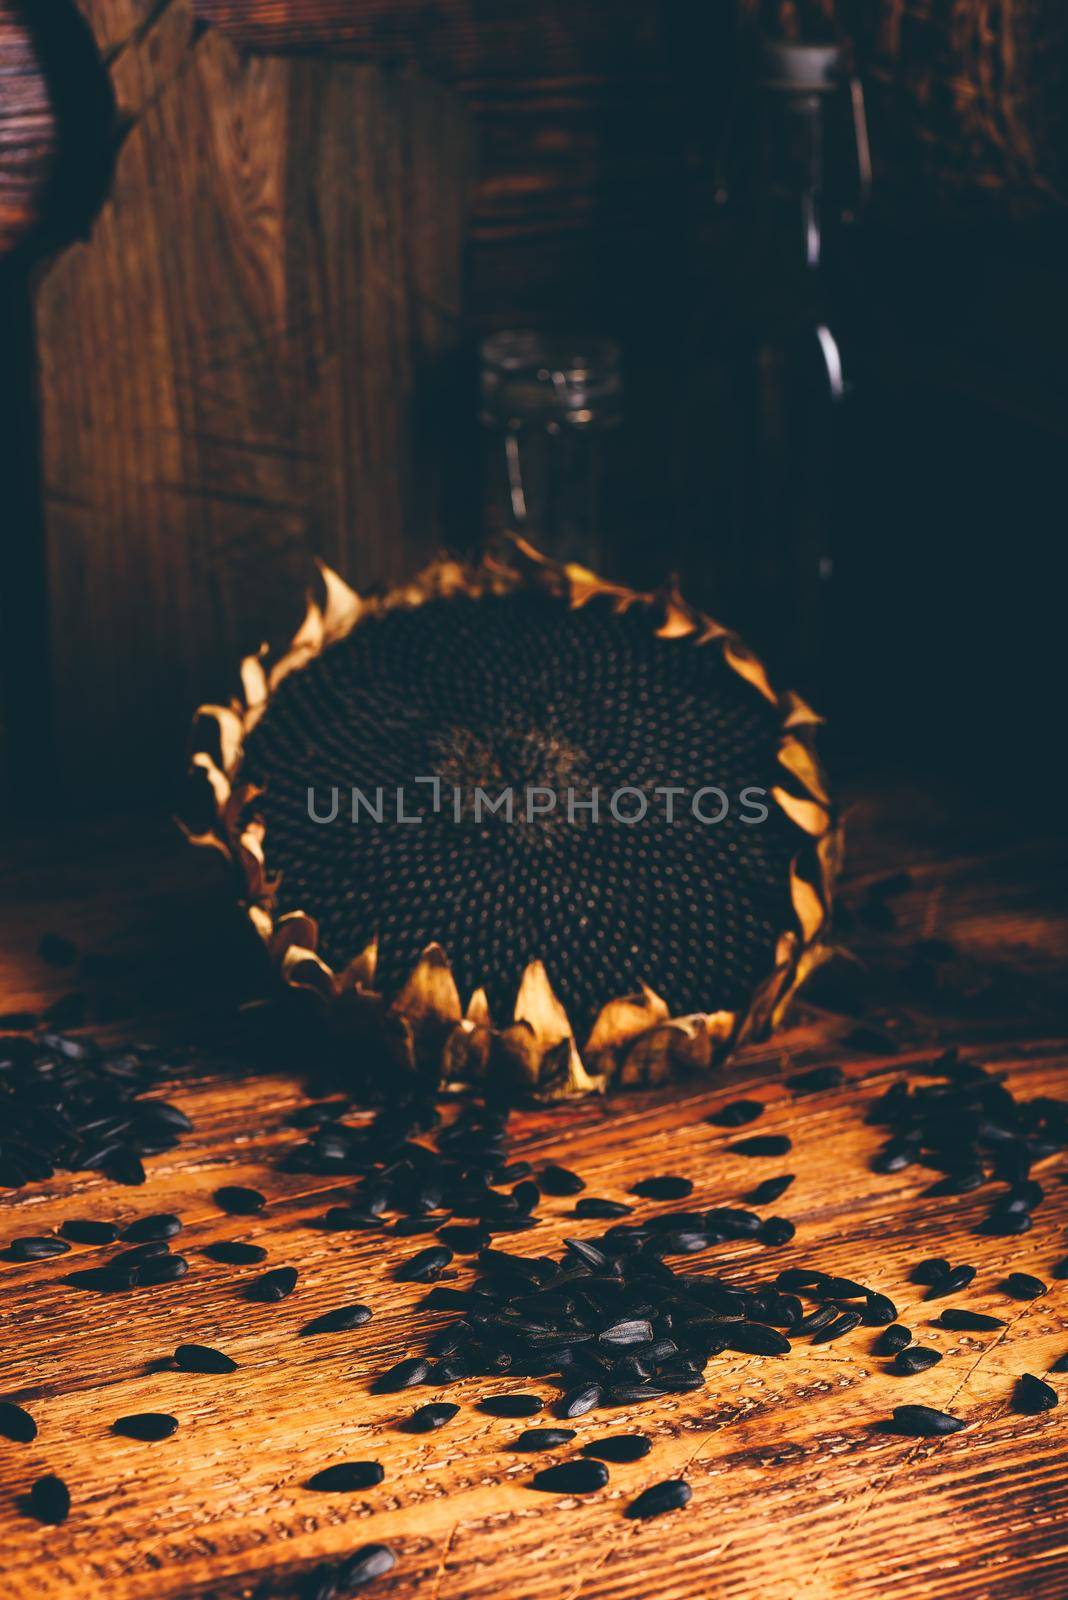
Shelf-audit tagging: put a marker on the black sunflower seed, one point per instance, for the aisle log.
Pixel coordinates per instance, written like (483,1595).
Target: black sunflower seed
(1060,1365)
(576,1402)
(671,1495)
(425,1266)
(466,1241)
(163,1225)
(844,1323)
(815,1079)
(632,1330)
(149,1426)
(776,1230)
(892,1339)
(36,1247)
(342,1219)
(157,1271)
(924,1422)
(371,1561)
(16,1424)
(770,1190)
(817,1320)
(756,1339)
(736,1113)
(956,1278)
(588,1254)
(877,1310)
(426,1419)
(792,1278)
(202,1358)
(1061,1269)
(510,1405)
(962,1321)
(762,1144)
(619,1447)
(664,1188)
(84,1231)
(123,1165)
(1032,1395)
(338,1321)
(49,1500)
(560,1181)
(533,1439)
(1022,1286)
(235,1252)
(407,1227)
(238,1201)
(345,1476)
(272,1286)
(917,1358)
(931,1271)
(404,1375)
(571,1477)
(842,1289)
(591,1206)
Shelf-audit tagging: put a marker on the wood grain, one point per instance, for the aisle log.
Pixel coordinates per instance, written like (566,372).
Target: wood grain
(797,1492)
(242,366)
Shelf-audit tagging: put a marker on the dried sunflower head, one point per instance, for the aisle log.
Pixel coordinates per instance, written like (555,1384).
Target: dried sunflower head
(513,820)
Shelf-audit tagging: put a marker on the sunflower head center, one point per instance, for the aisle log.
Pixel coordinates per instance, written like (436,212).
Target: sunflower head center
(522,758)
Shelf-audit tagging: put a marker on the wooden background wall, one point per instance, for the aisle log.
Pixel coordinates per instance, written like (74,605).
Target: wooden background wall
(259,345)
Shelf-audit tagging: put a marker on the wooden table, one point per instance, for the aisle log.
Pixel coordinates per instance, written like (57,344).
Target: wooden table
(796,1490)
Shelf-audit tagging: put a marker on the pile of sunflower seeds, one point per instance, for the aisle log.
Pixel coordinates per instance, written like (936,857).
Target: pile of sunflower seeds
(613,1319)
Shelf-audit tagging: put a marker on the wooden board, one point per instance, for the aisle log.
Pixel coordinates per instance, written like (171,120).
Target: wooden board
(797,1492)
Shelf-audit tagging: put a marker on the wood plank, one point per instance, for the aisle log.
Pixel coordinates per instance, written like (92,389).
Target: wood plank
(237,369)
(796,1490)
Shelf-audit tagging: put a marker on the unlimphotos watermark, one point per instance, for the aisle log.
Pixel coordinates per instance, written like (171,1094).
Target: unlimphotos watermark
(668,803)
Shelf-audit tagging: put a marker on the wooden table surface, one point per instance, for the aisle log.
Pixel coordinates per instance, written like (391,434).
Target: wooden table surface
(797,1492)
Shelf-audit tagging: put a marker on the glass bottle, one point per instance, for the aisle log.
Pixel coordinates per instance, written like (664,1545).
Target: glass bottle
(550,409)
(794,168)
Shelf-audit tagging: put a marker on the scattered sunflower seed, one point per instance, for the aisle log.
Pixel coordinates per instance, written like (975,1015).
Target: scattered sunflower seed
(1032,1395)
(49,1500)
(149,1426)
(1022,1286)
(572,1477)
(339,1321)
(619,1447)
(16,1424)
(346,1476)
(671,1495)
(202,1358)
(924,1422)
(916,1358)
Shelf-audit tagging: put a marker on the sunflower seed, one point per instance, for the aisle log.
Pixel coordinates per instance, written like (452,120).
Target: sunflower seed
(202,1358)
(924,1422)
(770,1190)
(426,1419)
(736,1113)
(845,1323)
(1032,1395)
(671,1495)
(571,1477)
(892,1339)
(146,1425)
(560,1181)
(533,1439)
(619,1447)
(665,1188)
(272,1286)
(34,1247)
(1022,1286)
(425,1266)
(49,1500)
(16,1424)
(346,1476)
(164,1225)
(762,1144)
(917,1358)
(339,1321)
(756,1339)
(235,1253)
(814,1080)
(510,1405)
(956,1278)
(578,1401)
(594,1207)
(404,1375)
(84,1231)
(961,1321)
(238,1201)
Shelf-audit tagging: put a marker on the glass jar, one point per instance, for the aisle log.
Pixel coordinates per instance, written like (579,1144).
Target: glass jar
(550,407)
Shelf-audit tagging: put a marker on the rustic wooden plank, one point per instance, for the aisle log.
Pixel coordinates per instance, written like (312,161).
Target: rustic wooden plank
(234,370)
(796,1491)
